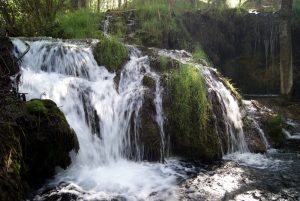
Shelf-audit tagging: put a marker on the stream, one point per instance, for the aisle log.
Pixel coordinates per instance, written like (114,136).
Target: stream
(109,166)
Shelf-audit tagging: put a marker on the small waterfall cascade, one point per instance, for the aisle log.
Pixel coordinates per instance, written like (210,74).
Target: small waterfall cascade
(230,111)
(105,118)
(106,23)
(68,74)
(252,116)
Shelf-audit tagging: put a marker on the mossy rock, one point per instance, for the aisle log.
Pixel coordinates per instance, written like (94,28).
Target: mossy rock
(148,81)
(189,115)
(110,53)
(274,129)
(47,142)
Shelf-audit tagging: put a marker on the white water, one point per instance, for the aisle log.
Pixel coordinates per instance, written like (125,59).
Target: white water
(101,116)
(106,24)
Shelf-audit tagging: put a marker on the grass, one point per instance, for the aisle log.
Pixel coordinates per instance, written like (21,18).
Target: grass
(80,24)
(296,13)
(200,55)
(159,25)
(110,53)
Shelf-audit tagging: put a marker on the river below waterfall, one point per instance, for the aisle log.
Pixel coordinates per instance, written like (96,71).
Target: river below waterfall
(100,113)
(274,176)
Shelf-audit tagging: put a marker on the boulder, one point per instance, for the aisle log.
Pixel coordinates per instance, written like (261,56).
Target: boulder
(47,141)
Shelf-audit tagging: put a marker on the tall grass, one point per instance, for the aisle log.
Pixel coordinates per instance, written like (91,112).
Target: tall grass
(190,113)
(80,24)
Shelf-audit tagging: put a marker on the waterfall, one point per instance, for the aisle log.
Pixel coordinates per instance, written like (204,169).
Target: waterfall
(105,118)
(229,105)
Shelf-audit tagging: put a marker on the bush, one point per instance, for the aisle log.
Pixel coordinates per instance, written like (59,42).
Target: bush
(80,24)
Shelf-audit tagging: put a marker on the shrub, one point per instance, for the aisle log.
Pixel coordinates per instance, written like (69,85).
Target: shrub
(80,24)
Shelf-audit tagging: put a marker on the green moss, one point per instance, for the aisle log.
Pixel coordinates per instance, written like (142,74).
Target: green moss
(164,61)
(35,106)
(274,126)
(148,82)
(110,53)
(189,114)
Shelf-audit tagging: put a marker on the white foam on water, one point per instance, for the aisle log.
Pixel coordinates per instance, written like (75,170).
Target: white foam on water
(101,116)
(260,161)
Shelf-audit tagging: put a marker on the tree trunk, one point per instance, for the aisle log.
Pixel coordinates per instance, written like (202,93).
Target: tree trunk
(286,65)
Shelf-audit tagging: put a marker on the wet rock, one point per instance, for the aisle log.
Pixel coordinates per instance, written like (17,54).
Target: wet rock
(47,142)
(149,130)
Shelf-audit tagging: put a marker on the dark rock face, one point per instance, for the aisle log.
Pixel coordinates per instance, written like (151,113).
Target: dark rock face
(149,130)
(35,136)
(8,63)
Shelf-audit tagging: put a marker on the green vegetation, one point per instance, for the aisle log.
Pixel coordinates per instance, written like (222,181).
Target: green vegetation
(79,24)
(189,114)
(199,55)
(274,126)
(148,81)
(35,106)
(227,82)
(110,53)
(159,24)
(164,61)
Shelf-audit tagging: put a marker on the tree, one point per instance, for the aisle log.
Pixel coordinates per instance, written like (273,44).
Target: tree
(286,64)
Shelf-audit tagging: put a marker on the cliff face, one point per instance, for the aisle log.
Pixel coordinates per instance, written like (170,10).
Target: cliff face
(35,136)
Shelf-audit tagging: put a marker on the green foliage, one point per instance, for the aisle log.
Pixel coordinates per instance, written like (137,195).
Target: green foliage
(148,82)
(110,53)
(232,88)
(159,23)
(118,29)
(199,55)
(274,126)
(164,61)
(189,113)
(79,24)
(35,106)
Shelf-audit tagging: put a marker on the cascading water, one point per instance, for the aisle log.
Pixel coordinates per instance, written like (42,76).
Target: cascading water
(237,148)
(101,116)
(106,120)
(230,108)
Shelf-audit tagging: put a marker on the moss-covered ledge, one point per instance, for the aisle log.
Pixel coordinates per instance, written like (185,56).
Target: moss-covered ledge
(111,53)
(189,115)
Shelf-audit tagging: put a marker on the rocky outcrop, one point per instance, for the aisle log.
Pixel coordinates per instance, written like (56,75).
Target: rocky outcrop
(47,142)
